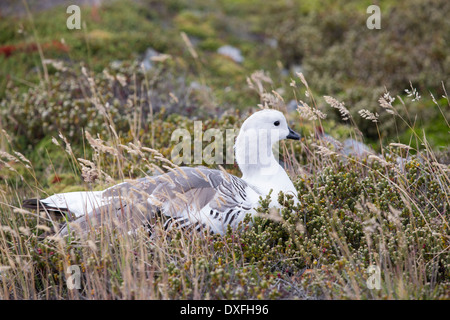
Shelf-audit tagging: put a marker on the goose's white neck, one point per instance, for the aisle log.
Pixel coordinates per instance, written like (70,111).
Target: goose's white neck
(254,155)
(259,166)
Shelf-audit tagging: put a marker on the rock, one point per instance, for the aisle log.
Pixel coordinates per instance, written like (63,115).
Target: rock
(296,68)
(232,53)
(291,106)
(147,61)
(356,148)
(350,147)
(194,85)
(151,56)
(271,42)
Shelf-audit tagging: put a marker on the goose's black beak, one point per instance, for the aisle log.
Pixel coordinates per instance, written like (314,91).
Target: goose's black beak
(293,135)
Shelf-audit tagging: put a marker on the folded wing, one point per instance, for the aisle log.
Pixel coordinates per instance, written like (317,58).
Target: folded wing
(188,198)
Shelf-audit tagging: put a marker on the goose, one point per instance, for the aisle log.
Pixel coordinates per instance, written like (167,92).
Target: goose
(188,197)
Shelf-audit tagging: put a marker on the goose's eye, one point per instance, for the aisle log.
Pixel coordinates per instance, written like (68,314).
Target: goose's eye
(276,123)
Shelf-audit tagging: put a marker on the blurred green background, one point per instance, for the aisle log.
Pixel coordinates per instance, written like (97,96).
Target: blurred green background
(326,40)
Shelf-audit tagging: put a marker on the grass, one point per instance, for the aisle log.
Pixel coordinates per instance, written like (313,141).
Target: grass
(94,122)
(354,213)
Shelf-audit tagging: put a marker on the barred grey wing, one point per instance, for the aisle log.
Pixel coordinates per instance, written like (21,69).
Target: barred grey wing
(199,197)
